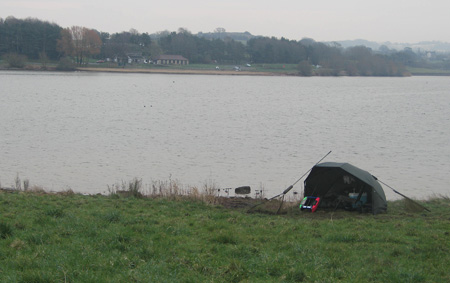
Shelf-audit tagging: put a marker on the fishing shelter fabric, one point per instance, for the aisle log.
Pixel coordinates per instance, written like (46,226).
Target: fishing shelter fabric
(330,180)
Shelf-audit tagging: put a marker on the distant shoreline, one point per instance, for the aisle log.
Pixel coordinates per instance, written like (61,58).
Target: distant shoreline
(179,71)
(418,73)
(149,71)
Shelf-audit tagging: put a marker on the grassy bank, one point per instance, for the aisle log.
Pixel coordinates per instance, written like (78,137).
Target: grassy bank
(428,72)
(207,69)
(75,238)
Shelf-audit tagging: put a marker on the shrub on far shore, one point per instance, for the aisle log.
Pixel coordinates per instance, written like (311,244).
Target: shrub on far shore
(15,60)
(65,64)
(304,69)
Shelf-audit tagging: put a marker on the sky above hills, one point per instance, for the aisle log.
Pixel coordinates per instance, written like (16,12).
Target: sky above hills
(322,20)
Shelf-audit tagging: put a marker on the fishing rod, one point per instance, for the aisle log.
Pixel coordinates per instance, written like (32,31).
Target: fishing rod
(397,192)
(291,186)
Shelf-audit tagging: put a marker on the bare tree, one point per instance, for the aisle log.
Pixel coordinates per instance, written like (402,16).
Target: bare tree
(79,42)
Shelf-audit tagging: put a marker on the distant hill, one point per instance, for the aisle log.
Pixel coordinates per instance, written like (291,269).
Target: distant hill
(358,42)
(422,46)
(436,46)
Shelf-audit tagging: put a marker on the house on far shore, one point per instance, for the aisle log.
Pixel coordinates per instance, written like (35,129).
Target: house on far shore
(171,60)
(135,58)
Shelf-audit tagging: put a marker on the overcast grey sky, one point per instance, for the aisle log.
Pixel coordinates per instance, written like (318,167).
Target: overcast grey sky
(323,20)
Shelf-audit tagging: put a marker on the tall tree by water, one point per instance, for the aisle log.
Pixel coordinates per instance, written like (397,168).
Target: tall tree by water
(80,43)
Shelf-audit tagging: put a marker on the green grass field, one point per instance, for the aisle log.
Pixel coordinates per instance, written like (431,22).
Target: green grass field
(428,72)
(75,238)
(287,69)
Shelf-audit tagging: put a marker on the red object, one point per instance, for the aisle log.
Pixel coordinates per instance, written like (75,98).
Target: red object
(315,204)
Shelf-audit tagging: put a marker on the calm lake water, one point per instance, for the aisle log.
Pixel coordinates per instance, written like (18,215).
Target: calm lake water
(85,131)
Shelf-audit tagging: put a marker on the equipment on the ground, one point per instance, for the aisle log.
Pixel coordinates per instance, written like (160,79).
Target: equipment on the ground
(310,203)
(289,188)
(344,185)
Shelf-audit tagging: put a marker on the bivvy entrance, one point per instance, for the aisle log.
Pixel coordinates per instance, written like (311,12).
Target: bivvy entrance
(342,185)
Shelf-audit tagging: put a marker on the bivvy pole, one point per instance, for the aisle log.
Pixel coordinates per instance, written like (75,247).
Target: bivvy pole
(290,187)
(397,192)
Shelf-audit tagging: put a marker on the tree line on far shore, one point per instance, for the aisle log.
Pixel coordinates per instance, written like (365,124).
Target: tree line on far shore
(34,39)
